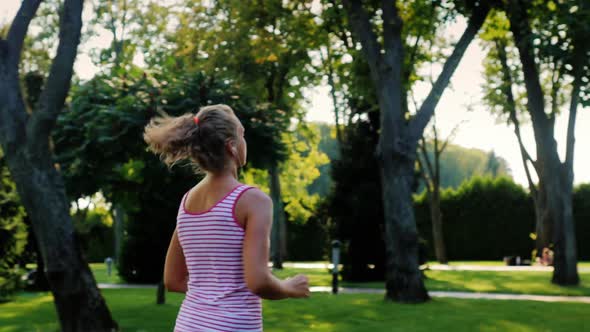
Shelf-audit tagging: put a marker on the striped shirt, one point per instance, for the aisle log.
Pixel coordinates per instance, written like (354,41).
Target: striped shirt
(217,298)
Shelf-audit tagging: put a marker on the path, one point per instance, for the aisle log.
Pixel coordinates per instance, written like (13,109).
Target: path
(440,267)
(465,295)
(498,268)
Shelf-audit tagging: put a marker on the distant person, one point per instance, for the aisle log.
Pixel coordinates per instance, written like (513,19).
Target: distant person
(547,257)
(219,251)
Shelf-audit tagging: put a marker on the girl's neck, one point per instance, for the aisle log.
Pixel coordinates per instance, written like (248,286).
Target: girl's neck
(224,177)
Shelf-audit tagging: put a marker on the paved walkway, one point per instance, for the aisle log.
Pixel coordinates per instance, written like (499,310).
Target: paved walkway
(440,267)
(502,268)
(456,295)
(465,295)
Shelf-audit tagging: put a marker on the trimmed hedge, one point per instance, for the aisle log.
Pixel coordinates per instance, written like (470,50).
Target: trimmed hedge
(582,218)
(487,219)
(484,219)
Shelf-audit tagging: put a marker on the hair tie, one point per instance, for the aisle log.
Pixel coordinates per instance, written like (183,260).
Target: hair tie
(196,120)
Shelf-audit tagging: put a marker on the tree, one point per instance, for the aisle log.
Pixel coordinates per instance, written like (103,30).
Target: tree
(297,173)
(353,211)
(550,39)
(500,78)
(99,134)
(25,139)
(273,63)
(430,171)
(400,133)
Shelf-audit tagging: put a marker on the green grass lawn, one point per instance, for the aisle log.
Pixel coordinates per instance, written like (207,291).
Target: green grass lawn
(516,282)
(135,310)
(496,263)
(101,275)
(494,282)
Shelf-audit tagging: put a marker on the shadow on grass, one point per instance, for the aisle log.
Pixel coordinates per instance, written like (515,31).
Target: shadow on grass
(503,282)
(135,310)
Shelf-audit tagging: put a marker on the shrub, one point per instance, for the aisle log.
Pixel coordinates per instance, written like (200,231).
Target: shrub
(484,219)
(13,233)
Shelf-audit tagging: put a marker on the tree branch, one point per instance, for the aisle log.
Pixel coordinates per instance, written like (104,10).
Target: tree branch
(392,26)
(519,25)
(426,158)
(419,122)
(327,61)
(425,177)
(361,25)
(511,106)
(451,136)
(58,82)
(571,126)
(20,26)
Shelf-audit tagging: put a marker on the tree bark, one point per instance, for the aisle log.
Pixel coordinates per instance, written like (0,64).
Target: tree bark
(403,277)
(556,176)
(544,224)
(118,227)
(432,184)
(24,137)
(565,261)
(278,234)
(437,228)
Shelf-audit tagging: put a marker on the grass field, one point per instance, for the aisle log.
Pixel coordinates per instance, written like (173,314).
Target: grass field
(135,311)
(497,263)
(517,282)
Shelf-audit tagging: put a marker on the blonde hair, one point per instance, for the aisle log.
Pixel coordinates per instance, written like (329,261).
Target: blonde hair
(203,143)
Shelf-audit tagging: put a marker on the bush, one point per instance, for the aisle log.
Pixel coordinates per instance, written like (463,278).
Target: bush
(355,205)
(582,219)
(95,231)
(13,233)
(308,241)
(484,219)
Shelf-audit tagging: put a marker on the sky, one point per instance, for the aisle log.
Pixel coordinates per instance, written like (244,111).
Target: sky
(460,106)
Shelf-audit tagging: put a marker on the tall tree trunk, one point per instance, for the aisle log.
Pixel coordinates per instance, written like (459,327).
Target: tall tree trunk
(278,234)
(560,197)
(403,277)
(565,262)
(118,229)
(437,227)
(79,304)
(25,139)
(543,223)
(40,283)
(431,176)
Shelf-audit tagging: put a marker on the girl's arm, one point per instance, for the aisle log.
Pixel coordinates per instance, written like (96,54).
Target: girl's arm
(258,277)
(175,271)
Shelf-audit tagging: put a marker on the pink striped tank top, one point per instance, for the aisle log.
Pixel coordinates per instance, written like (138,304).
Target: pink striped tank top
(217,298)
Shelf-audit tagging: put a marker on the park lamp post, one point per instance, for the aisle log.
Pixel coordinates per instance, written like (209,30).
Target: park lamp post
(335,263)
(109,263)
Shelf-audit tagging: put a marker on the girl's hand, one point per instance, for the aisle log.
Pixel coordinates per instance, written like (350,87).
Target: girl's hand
(297,286)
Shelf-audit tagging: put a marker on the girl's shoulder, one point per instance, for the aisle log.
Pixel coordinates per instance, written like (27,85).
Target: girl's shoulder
(253,198)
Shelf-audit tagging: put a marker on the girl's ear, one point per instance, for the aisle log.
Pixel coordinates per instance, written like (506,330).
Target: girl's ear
(230,145)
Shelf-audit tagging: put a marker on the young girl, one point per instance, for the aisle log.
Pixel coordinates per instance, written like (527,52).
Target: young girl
(218,254)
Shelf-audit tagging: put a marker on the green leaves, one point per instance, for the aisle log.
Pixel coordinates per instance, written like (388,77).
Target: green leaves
(13,232)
